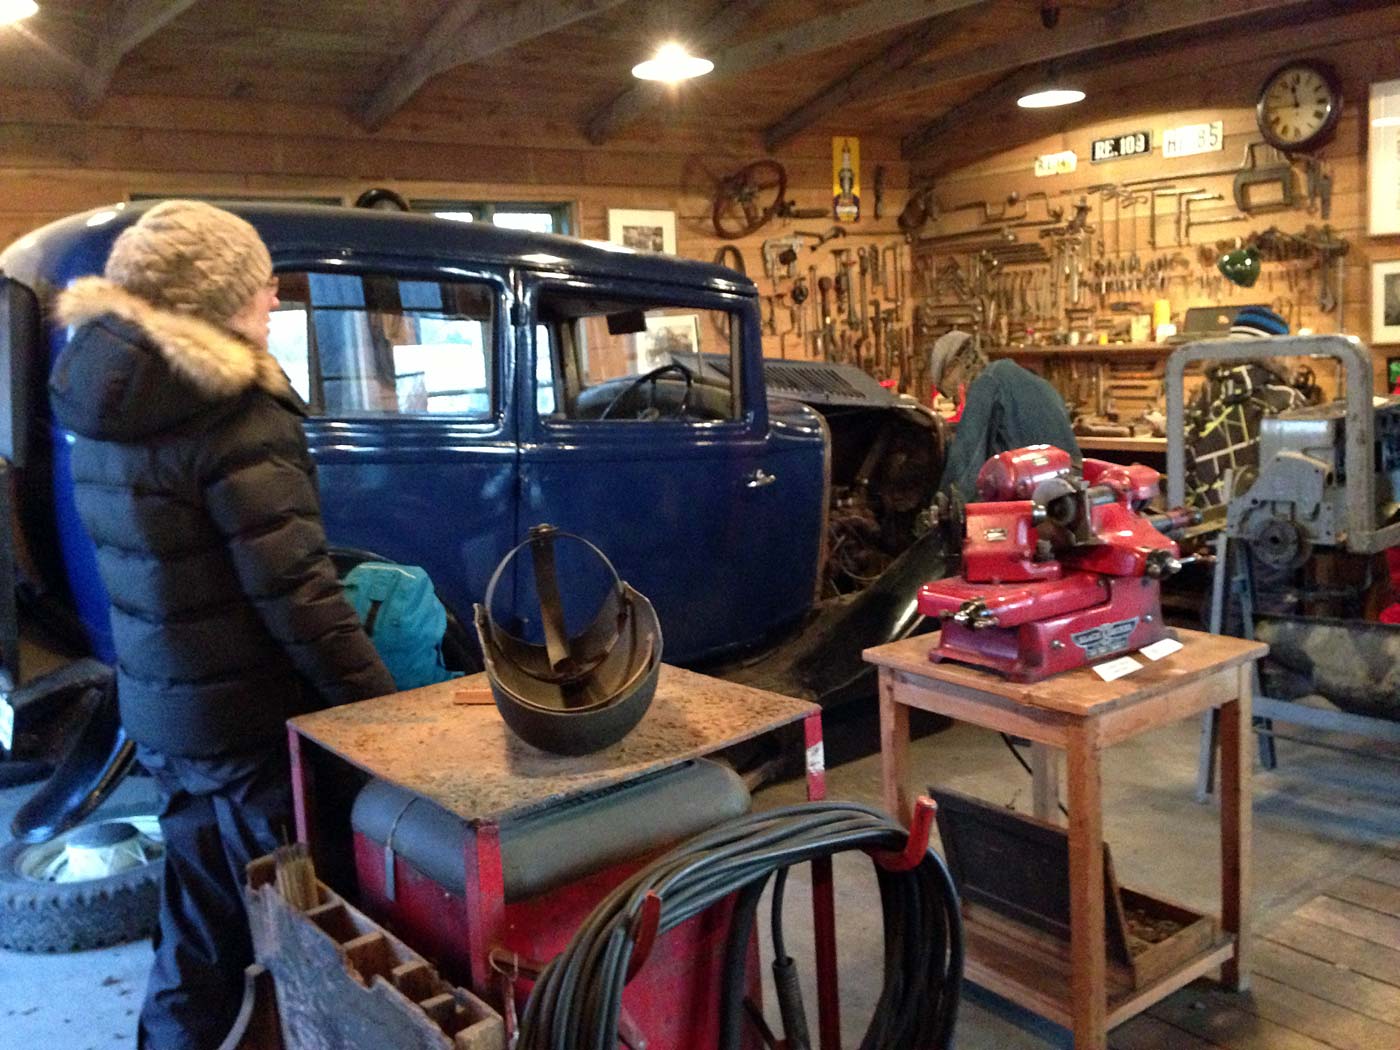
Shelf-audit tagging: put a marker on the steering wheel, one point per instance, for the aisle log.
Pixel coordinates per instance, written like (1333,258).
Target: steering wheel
(651,377)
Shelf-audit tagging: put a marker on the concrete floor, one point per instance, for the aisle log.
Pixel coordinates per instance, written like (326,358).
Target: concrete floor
(1317,818)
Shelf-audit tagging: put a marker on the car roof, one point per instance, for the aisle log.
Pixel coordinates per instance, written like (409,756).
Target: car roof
(79,244)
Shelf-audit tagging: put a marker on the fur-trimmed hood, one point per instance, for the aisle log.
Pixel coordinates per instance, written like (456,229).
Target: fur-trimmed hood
(132,370)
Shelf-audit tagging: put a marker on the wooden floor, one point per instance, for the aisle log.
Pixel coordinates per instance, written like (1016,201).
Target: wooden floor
(1326,978)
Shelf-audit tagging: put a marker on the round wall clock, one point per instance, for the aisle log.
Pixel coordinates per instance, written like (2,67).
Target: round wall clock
(1299,105)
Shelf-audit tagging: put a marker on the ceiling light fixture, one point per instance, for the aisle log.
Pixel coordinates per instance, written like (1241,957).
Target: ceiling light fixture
(1047,98)
(16,10)
(672,63)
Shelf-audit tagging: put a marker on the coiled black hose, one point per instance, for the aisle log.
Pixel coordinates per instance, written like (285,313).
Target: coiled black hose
(576,1001)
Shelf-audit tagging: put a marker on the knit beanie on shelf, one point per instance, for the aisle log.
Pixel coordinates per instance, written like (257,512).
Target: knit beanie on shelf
(191,258)
(1257,322)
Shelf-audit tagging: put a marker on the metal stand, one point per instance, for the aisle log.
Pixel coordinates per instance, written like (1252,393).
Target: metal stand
(1267,710)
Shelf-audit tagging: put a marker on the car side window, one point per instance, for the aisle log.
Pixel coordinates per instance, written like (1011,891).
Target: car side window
(373,345)
(628,361)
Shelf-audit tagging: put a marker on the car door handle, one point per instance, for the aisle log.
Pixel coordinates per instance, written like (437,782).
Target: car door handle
(758,479)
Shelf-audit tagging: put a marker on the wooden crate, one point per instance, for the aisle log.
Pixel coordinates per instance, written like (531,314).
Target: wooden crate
(342,981)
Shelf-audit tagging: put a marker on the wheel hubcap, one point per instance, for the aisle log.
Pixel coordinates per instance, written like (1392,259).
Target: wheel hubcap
(95,851)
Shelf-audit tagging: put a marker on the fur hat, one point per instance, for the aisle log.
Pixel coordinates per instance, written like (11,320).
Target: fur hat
(955,346)
(191,258)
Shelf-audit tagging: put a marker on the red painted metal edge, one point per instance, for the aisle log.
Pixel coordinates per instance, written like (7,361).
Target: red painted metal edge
(485,901)
(916,845)
(644,929)
(823,899)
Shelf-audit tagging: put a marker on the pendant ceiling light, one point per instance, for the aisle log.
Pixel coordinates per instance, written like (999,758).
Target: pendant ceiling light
(16,10)
(1046,98)
(672,63)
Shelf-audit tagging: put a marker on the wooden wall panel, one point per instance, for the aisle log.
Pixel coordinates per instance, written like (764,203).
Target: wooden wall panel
(1193,99)
(52,164)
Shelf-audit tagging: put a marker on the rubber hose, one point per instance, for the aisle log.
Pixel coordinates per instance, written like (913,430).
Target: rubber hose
(576,1001)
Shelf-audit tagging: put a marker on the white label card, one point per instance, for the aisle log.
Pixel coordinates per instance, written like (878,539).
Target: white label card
(1165,647)
(1056,163)
(7,725)
(1111,670)
(816,759)
(1191,139)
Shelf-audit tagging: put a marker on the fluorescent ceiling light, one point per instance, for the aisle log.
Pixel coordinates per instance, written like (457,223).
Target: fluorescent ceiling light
(672,63)
(16,10)
(1386,122)
(1050,97)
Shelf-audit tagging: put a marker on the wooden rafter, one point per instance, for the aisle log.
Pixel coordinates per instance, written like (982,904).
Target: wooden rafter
(1137,20)
(1139,29)
(468,31)
(859,80)
(126,24)
(810,37)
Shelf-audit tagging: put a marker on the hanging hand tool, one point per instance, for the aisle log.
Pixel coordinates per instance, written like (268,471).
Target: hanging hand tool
(799,311)
(879,190)
(824,288)
(864,264)
(848,262)
(729,255)
(842,280)
(1276,171)
(781,252)
(821,238)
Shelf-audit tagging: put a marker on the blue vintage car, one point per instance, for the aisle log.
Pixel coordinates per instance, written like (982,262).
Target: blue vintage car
(467,382)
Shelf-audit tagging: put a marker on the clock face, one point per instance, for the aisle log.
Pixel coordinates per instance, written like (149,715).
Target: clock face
(1299,105)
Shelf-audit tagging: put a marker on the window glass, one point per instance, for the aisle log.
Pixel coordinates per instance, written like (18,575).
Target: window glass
(541,217)
(381,345)
(603,349)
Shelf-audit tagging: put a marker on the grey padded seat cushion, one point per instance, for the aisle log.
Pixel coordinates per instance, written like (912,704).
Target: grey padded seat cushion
(575,838)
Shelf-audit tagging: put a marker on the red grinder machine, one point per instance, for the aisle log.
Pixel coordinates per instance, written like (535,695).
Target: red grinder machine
(1060,566)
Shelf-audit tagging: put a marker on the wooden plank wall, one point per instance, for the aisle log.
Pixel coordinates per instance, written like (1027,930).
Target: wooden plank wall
(52,164)
(1193,99)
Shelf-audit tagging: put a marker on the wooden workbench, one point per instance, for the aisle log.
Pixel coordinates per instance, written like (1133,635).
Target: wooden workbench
(1081,714)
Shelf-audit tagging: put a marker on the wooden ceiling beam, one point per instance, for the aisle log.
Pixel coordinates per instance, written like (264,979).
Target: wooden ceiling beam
(1175,21)
(126,24)
(1135,20)
(465,33)
(810,37)
(861,79)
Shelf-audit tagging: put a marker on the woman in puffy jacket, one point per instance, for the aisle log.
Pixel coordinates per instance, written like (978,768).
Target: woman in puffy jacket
(192,476)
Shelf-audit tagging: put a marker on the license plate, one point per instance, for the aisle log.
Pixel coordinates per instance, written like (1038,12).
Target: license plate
(7,725)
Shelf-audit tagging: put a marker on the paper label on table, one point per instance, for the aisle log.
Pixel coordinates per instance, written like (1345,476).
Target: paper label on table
(1165,647)
(7,725)
(1110,670)
(816,758)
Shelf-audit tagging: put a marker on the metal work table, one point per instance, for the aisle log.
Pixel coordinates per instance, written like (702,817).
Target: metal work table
(442,743)
(1081,714)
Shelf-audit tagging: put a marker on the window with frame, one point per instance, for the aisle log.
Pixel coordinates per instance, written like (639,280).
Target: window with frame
(616,359)
(372,344)
(532,216)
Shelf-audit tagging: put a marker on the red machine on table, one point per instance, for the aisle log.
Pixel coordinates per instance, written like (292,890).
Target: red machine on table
(1060,566)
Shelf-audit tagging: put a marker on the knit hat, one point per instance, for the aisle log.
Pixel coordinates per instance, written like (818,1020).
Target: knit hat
(1256,322)
(954,346)
(191,258)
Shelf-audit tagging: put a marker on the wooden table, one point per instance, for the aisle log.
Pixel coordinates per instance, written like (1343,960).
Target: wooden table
(1081,714)
(464,758)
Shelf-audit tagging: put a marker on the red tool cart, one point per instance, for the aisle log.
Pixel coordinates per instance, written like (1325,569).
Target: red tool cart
(490,817)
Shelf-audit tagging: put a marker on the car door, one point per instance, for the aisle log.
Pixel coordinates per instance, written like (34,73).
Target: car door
(409,378)
(681,484)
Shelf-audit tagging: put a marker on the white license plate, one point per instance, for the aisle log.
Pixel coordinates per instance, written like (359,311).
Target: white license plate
(7,725)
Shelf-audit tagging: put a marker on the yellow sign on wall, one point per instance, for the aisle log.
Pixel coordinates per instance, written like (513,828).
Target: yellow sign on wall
(845,178)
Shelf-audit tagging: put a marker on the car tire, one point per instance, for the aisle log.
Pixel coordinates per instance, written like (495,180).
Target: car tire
(42,915)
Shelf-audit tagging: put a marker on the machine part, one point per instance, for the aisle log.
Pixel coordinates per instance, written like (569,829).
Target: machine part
(1340,452)
(1355,665)
(1280,544)
(571,695)
(94,885)
(1061,570)
(576,1002)
(748,198)
(1274,172)
(831,233)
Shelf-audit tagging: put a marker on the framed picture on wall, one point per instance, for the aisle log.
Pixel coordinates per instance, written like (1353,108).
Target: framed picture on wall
(1385,302)
(643,231)
(1383,146)
(667,339)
